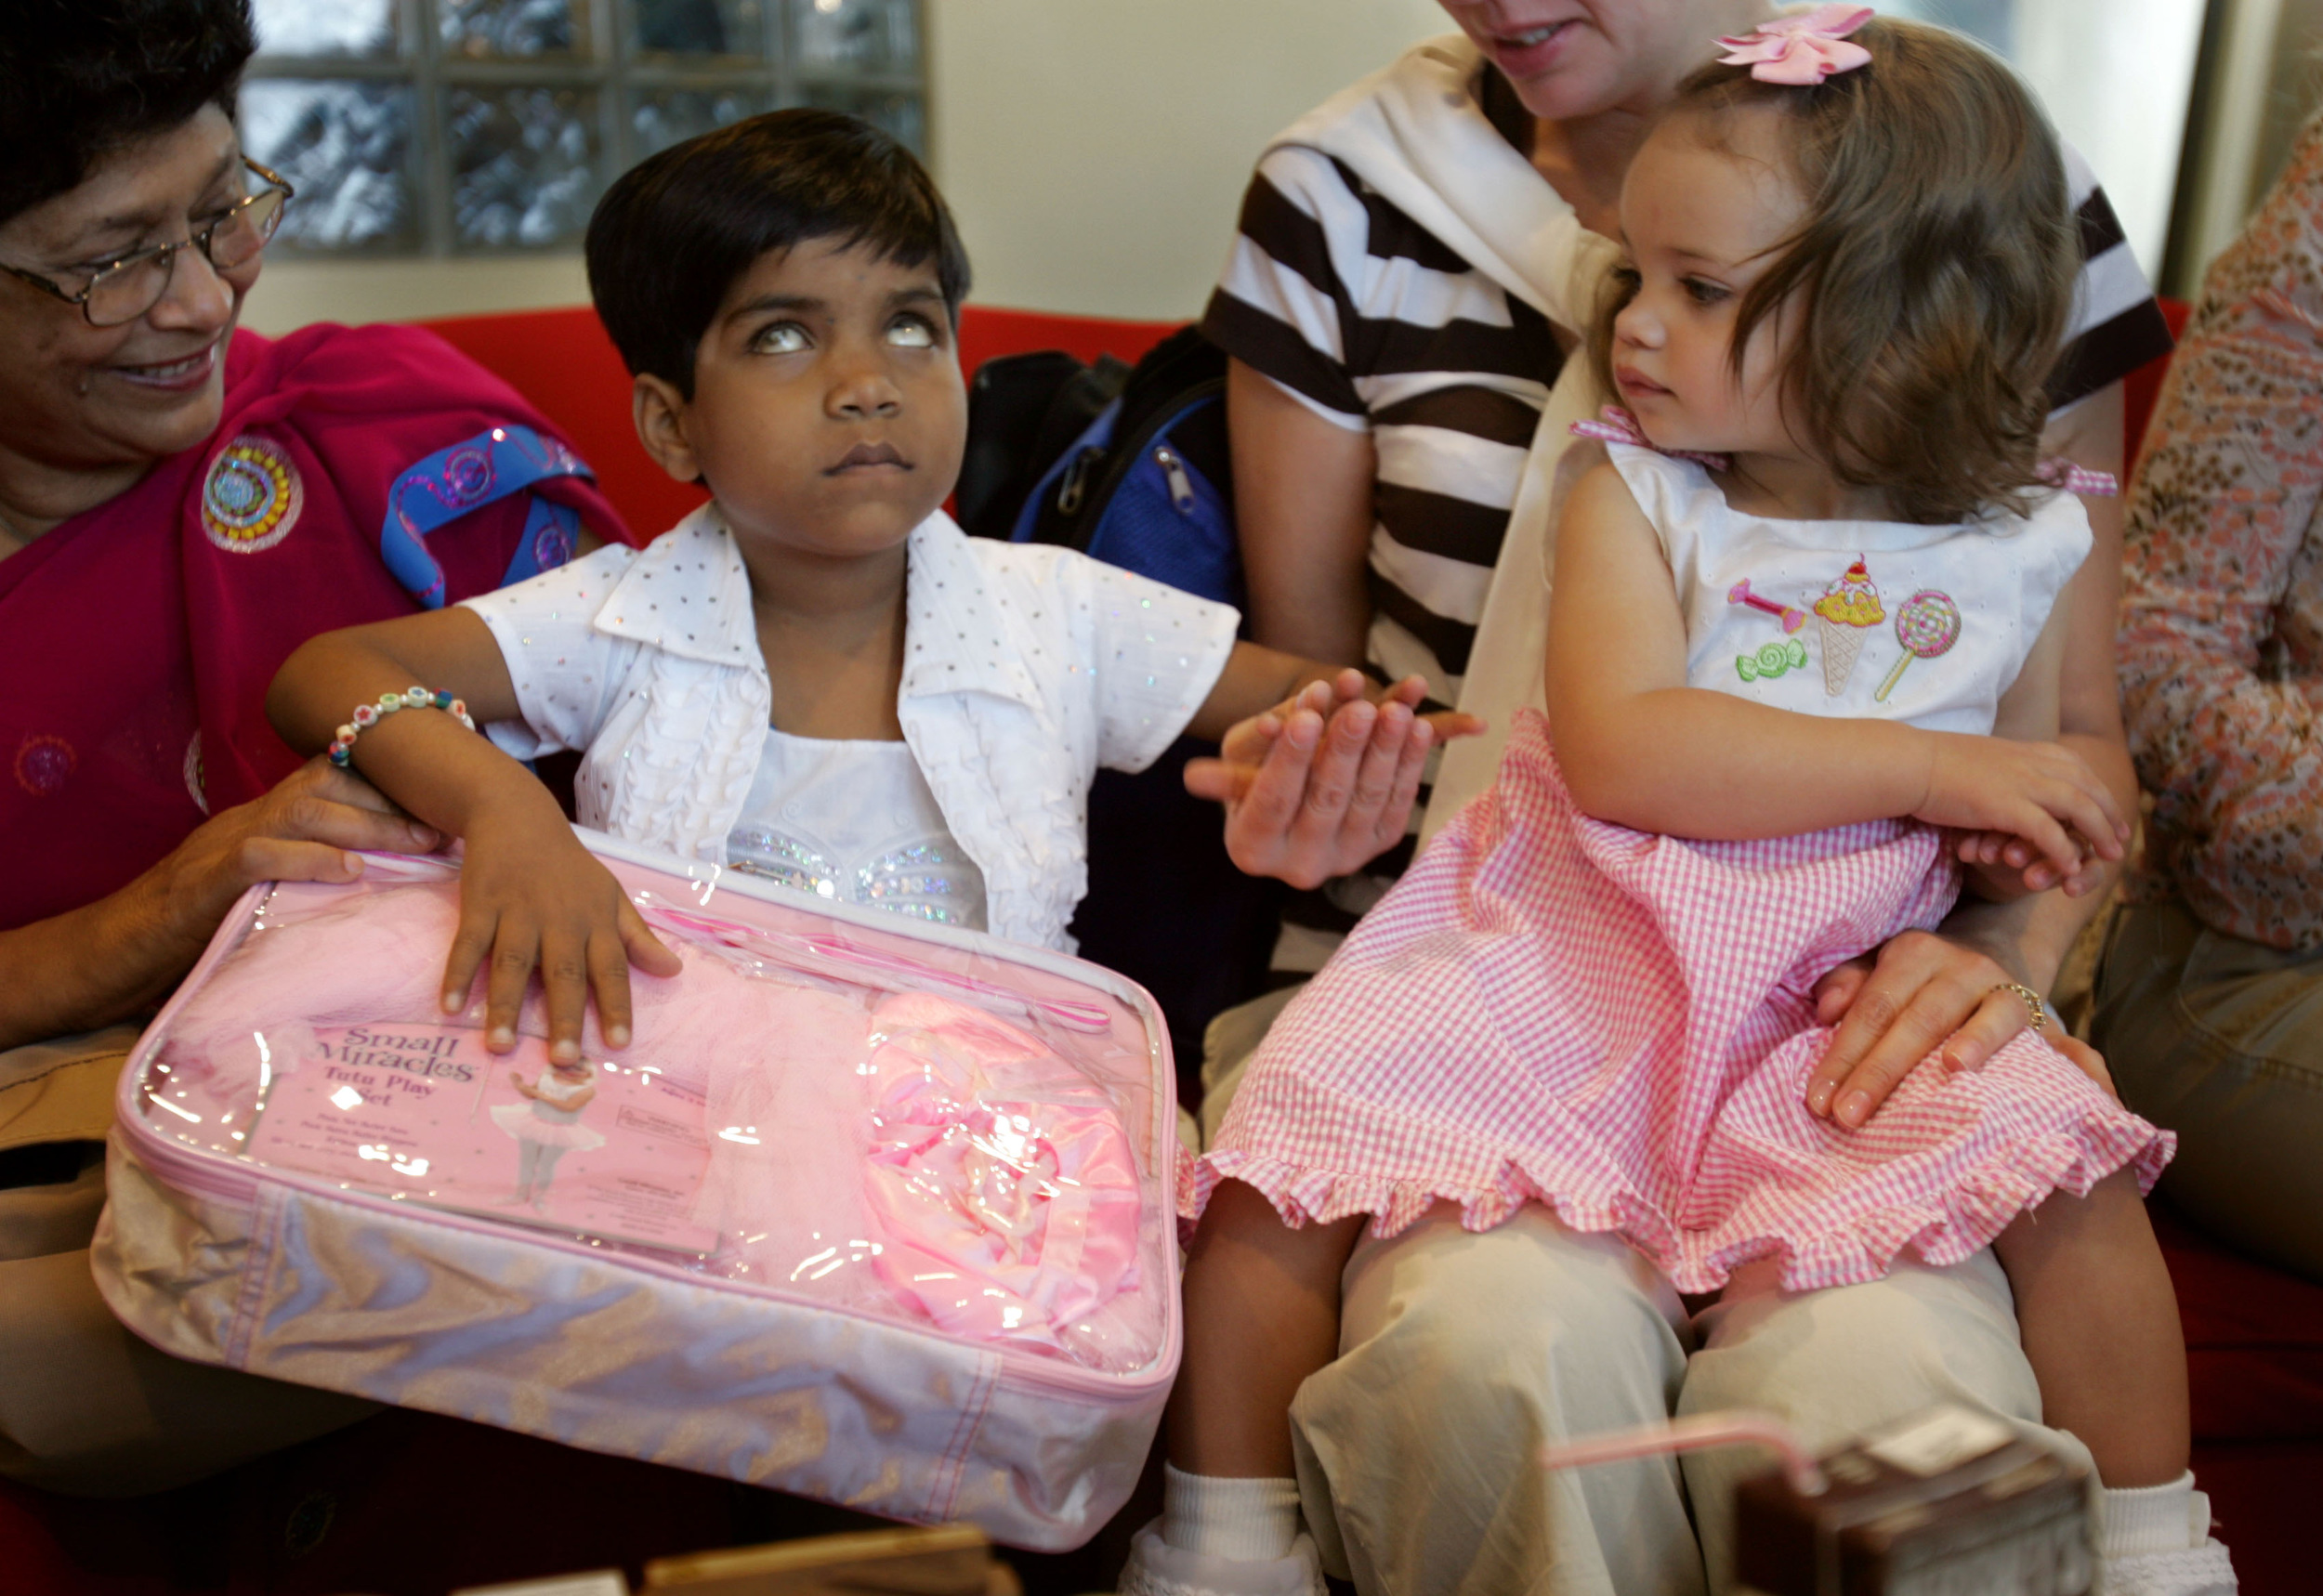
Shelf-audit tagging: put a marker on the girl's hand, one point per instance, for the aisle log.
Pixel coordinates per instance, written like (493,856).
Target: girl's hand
(2040,792)
(2001,868)
(515,1078)
(1324,782)
(531,895)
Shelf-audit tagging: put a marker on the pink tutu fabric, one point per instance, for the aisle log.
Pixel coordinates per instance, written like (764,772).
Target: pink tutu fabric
(1002,1180)
(1551,1009)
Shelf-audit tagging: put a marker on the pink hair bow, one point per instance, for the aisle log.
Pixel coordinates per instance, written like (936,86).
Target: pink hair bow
(1617,425)
(1801,51)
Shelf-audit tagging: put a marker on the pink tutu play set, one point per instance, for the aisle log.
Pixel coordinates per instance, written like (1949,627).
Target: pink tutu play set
(868,1210)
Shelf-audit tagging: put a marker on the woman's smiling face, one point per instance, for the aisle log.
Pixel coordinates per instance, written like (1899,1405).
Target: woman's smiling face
(1575,58)
(77,398)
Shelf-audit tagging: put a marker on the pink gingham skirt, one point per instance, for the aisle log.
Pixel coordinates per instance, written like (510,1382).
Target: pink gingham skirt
(1551,1009)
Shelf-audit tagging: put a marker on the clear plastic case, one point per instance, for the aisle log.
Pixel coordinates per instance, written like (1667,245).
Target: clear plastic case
(927,1128)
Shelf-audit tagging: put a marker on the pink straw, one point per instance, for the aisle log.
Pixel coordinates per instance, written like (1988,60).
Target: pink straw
(1739,1426)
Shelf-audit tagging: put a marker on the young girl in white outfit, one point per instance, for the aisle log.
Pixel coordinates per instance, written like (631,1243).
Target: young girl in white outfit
(815,677)
(1804,674)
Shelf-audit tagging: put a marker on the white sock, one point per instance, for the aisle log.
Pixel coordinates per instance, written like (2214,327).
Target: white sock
(1243,1521)
(2151,1519)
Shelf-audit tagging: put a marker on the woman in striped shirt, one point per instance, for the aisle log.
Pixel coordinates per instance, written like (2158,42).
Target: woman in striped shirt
(1400,299)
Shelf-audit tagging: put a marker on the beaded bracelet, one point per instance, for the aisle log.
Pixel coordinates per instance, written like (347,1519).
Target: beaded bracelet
(368,716)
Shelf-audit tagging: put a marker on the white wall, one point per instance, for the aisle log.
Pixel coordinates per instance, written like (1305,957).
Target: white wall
(2116,77)
(1094,150)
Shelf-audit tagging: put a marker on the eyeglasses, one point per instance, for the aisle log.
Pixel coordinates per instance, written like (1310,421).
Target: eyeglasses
(124,290)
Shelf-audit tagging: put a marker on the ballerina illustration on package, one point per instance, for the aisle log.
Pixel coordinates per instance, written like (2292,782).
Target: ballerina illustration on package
(547,1125)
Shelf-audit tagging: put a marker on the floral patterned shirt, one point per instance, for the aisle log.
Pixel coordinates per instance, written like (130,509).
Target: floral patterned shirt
(2221,649)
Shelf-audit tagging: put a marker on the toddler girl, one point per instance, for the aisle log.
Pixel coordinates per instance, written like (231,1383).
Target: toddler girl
(817,677)
(1803,669)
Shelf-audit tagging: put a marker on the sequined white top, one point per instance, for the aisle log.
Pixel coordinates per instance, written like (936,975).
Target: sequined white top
(854,822)
(1026,668)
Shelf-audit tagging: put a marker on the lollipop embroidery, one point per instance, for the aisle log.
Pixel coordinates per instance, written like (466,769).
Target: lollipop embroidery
(1849,607)
(1926,624)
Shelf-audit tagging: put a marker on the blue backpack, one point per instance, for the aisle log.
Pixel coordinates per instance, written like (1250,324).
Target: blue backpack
(1131,467)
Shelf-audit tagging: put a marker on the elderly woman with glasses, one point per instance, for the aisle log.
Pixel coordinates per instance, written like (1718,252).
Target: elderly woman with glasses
(182,505)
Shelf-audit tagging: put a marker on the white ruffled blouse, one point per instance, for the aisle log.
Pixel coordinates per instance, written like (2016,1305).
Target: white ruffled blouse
(1026,668)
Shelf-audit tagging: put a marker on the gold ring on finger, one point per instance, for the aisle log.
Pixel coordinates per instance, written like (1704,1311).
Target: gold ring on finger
(2038,1010)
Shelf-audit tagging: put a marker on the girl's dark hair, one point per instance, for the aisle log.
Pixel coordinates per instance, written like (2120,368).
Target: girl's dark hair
(1933,273)
(85,77)
(674,231)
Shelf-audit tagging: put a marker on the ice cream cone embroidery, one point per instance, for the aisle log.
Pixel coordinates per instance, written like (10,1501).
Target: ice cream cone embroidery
(1849,607)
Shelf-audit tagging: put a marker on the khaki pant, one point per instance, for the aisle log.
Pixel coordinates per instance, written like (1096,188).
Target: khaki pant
(1461,1354)
(2222,1041)
(85,1408)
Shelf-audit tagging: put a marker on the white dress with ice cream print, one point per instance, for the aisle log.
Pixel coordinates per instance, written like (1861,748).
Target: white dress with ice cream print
(1870,620)
(1619,1025)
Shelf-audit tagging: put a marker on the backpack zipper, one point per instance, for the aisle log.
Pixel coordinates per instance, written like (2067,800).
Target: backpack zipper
(1127,451)
(1071,491)
(1181,486)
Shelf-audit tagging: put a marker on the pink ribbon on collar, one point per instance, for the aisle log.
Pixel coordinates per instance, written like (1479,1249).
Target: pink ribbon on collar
(2062,473)
(1802,51)
(1617,425)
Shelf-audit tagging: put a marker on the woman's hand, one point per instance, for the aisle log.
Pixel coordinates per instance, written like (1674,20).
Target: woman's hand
(1924,992)
(1324,782)
(113,958)
(532,897)
(2043,792)
(308,828)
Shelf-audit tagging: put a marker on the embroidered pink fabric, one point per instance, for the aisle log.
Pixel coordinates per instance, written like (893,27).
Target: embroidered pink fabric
(1617,425)
(2062,473)
(1801,51)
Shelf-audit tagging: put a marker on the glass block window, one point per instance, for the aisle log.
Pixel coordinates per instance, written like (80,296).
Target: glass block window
(477,126)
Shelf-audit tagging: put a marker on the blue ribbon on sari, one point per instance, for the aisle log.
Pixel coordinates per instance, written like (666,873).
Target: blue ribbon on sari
(450,483)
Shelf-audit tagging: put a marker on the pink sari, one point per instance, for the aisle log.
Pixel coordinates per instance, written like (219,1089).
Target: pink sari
(356,474)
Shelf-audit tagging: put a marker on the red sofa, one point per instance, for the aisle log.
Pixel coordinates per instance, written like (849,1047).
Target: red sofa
(339,1514)
(563,362)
